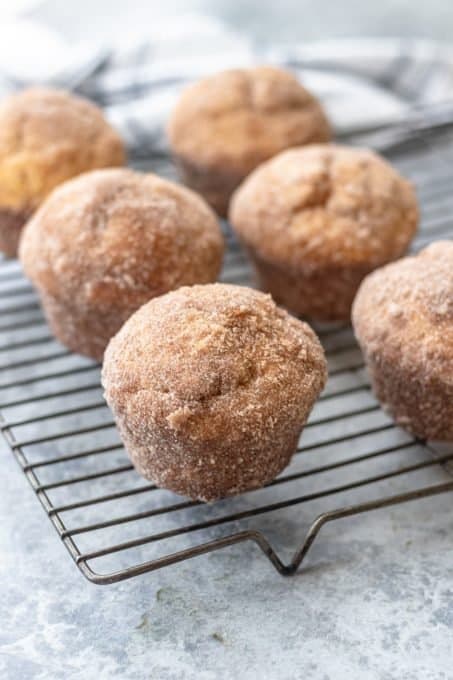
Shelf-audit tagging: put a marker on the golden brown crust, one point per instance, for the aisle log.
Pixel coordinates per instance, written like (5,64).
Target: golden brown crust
(46,137)
(211,386)
(403,320)
(323,216)
(106,242)
(225,125)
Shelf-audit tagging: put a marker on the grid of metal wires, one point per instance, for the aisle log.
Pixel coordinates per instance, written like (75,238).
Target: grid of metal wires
(351,458)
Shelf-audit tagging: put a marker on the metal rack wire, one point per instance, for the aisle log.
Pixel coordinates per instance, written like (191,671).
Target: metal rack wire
(351,459)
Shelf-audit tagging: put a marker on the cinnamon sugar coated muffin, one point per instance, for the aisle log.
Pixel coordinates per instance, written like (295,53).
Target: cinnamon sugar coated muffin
(46,137)
(403,320)
(225,125)
(211,386)
(106,242)
(315,220)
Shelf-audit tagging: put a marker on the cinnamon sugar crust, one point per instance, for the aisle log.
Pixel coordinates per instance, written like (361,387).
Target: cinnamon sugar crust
(106,242)
(317,219)
(403,320)
(225,125)
(210,387)
(46,137)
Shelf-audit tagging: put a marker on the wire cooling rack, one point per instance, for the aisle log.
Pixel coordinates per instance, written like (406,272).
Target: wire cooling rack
(351,458)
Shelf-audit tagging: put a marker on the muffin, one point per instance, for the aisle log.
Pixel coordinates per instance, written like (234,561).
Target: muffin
(210,387)
(225,125)
(403,320)
(106,242)
(316,220)
(46,137)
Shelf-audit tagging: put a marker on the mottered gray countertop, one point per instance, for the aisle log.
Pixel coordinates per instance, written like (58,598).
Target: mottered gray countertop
(374,600)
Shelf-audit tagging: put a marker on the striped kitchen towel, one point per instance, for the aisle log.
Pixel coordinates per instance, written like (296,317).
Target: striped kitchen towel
(365,84)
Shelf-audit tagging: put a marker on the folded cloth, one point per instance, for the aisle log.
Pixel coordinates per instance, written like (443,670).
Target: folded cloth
(363,83)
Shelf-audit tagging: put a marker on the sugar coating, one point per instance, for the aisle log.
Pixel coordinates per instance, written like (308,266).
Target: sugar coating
(46,137)
(211,386)
(225,125)
(106,242)
(403,320)
(317,219)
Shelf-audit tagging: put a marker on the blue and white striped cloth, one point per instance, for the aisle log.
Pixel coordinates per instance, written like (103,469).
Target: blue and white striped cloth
(364,83)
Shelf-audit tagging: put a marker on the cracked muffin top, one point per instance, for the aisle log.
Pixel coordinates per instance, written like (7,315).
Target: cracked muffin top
(236,119)
(325,204)
(46,137)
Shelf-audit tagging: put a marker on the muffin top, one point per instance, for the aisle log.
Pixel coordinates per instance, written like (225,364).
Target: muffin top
(325,205)
(116,237)
(236,119)
(213,361)
(405,310)
(46,137)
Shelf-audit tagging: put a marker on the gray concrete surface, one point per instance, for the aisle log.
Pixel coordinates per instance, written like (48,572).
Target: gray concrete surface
(375,599)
